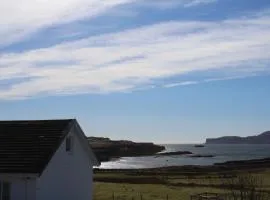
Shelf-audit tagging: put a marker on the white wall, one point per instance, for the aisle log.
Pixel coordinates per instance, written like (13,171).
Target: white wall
(68,176)
(23,189)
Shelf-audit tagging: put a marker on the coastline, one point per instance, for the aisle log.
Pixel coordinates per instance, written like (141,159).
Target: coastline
(179,181)
(223,166)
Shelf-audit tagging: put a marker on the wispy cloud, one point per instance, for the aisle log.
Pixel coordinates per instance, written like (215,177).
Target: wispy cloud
(167,4)
(136,58)
(19,19)
(199,2)
(185,83)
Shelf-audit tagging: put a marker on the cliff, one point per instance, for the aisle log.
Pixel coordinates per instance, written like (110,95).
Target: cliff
(106,149)
(263,138)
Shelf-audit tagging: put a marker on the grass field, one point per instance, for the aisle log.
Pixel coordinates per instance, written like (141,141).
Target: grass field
(165,185)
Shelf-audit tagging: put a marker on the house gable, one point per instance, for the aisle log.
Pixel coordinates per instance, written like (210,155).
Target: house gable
(68,175)
(34,160)
(26,147)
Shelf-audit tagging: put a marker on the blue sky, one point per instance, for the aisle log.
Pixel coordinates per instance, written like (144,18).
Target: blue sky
(167,71)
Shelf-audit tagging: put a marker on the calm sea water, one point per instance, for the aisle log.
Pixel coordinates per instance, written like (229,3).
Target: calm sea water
(222,153)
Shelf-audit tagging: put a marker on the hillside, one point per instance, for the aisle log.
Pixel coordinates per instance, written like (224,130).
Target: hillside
(263,138)
(106,149)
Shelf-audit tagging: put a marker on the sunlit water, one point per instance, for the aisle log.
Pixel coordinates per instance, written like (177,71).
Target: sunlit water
(221,153)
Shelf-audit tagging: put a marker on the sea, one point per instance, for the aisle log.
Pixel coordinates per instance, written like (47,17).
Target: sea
(221,153)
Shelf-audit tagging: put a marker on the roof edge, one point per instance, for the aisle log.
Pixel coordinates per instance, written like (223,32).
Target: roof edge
(37,120)
(85,143)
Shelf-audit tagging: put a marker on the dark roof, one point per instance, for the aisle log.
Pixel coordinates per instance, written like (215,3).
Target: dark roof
(27,146)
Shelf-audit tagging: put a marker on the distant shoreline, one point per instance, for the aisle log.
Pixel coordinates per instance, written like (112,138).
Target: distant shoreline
(224,166)
(189,155)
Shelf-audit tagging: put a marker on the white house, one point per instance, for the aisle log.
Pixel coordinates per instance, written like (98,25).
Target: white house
(45,160)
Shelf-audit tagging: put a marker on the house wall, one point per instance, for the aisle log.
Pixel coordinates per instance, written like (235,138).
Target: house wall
(68,176)
(23,189)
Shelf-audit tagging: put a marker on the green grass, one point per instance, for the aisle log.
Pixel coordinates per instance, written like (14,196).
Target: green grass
(177,185)
(106,191)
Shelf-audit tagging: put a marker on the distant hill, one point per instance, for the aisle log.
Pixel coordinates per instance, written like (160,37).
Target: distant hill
(106,149)
(263,138)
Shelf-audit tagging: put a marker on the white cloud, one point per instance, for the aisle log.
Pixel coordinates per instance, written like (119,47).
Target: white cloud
(19,19)
(136,58)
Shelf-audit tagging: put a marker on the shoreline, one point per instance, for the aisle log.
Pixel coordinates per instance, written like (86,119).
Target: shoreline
(223,166)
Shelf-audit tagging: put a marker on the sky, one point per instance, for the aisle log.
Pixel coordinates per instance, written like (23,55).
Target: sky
(163,71)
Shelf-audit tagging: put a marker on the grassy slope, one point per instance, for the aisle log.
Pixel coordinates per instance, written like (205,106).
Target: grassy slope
(177,185)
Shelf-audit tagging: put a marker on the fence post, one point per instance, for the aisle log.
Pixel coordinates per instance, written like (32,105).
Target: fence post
(141,196)
(113,195)
(167,197)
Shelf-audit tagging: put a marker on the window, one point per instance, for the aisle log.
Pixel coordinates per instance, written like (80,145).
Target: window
(69,144)
(4,191)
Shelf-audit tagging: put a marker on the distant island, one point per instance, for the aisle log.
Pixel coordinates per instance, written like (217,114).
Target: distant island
(263,138)
(106,149)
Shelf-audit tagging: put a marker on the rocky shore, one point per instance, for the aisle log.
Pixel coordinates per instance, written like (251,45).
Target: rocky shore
(265,162)
(174,153)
